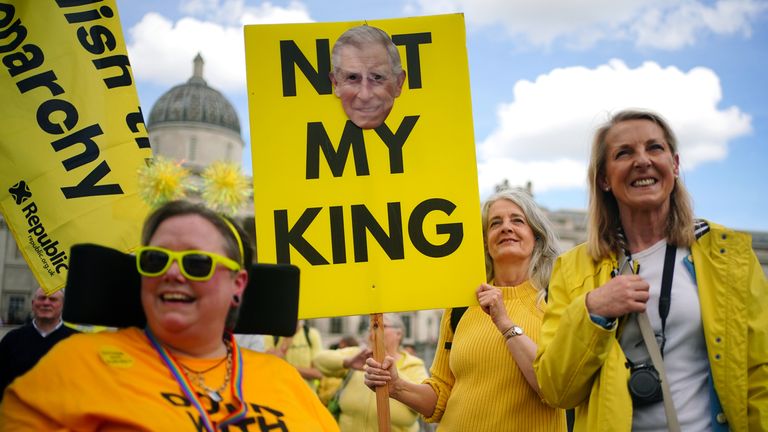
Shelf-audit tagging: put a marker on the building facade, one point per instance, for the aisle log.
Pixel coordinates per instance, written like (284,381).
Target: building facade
(195,124)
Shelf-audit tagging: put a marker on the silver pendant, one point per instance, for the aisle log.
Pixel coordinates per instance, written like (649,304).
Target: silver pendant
(215,396)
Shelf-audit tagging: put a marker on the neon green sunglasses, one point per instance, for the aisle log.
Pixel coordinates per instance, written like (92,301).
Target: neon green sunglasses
(195,265)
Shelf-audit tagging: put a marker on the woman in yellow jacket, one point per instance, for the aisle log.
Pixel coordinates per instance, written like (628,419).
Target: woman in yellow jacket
(714,340)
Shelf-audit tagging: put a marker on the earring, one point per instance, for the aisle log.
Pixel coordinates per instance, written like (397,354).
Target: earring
(236,299)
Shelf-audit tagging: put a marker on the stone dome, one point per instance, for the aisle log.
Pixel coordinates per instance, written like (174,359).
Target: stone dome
(194,101)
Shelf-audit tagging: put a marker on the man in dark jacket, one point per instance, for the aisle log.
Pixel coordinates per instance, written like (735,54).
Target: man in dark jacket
(21,348)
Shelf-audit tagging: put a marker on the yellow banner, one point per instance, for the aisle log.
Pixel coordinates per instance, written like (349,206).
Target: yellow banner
(378,220)
(72,135)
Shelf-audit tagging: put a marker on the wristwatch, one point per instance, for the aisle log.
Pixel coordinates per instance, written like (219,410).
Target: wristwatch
(512,332)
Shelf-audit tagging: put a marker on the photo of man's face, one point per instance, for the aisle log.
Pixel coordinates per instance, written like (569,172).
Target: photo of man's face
(366,83)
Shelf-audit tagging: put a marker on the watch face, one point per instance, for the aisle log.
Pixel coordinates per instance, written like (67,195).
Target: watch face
(513,331)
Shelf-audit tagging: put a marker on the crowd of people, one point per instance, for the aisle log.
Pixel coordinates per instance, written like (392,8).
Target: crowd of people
(658,322)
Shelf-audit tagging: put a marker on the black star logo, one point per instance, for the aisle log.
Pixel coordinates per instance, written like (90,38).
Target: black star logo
(20,192)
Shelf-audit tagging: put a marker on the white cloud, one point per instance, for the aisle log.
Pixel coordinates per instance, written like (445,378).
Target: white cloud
(665,24)
(677,27)
(232,12)
(555,116)
(161,50)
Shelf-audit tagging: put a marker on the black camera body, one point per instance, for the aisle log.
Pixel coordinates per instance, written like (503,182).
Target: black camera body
(644,384)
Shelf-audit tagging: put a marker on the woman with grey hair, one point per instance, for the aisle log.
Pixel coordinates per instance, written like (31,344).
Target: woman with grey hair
(482,375)
(357,403)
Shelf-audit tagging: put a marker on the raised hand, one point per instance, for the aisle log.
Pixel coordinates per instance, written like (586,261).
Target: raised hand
(492,303)
(358,361)
(619,296)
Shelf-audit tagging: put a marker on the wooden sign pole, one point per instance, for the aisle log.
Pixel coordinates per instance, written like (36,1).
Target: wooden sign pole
(382,393)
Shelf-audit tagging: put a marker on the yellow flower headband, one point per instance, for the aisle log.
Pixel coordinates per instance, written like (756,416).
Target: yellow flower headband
(162,180)
(224,188)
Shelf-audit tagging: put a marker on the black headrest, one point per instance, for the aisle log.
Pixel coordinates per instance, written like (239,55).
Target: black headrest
(104,288)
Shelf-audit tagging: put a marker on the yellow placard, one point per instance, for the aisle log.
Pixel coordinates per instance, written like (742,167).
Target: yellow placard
(72,134)
(378,220)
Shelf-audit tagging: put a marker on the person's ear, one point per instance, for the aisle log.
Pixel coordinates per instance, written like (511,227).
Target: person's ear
(603,184)
(332,77)
(677,165)
(400,81)
(241,281)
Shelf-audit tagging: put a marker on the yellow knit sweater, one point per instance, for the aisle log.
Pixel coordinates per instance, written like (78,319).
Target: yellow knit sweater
(479,386)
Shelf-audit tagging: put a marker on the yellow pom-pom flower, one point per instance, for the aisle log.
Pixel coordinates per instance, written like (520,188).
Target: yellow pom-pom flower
(162,180)
(225,189)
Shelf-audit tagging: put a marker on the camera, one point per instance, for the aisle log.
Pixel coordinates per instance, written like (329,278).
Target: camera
(644,384)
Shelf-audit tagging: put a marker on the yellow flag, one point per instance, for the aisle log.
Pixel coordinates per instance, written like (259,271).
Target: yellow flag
(378,218)
(72,134)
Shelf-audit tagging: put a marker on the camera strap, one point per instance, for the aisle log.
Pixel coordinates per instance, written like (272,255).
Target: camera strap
(665,299)
(650,338)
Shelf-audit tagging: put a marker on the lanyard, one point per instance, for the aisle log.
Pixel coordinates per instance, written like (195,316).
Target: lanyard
(665,300)
(235,386)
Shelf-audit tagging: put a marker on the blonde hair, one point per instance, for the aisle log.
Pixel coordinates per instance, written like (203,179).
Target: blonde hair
(545,249)
(604,222)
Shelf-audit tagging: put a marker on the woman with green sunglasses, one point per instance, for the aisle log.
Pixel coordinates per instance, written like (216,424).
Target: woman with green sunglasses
(183,371)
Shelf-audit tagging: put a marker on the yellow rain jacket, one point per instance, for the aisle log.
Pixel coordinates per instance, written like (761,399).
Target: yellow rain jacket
(580,364)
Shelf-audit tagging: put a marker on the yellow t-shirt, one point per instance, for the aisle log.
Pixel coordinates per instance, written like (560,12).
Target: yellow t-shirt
(117,381)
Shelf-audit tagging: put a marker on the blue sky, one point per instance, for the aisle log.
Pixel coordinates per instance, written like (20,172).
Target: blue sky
(543,75)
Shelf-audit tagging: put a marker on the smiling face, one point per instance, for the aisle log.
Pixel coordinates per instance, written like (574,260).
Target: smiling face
(366,84)
(509,237)
(179,310)
(640,169)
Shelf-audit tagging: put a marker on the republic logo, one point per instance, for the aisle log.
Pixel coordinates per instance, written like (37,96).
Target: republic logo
(20,192)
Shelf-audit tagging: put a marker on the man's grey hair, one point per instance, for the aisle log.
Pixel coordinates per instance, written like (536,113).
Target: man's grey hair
(61,290)
(394,320)
(363,35)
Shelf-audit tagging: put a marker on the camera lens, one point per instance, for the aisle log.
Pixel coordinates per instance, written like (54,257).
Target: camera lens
(644,383)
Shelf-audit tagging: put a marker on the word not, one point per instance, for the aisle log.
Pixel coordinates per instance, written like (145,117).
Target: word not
(291,57)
